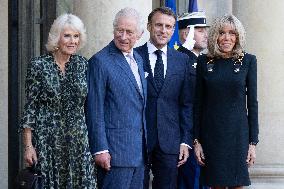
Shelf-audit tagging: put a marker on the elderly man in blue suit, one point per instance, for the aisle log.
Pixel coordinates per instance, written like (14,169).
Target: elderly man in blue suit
(116,107)
(169,101)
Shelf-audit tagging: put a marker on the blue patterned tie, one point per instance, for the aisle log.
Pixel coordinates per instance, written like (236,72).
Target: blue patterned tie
(159,71)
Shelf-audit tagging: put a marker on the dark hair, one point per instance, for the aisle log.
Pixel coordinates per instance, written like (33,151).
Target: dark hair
(163,10)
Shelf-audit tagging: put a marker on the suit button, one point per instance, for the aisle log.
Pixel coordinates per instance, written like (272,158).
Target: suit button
(141,130)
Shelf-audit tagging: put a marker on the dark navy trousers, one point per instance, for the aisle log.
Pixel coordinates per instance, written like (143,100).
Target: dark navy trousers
(164,170)
(188,174)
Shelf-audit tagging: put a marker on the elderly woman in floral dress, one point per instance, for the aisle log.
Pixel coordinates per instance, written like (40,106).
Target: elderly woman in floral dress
(53,123)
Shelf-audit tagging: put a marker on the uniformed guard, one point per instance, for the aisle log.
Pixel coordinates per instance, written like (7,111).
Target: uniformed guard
(192,34)
(193,37)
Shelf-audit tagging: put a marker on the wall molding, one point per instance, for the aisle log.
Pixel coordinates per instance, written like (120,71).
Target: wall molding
(267,174)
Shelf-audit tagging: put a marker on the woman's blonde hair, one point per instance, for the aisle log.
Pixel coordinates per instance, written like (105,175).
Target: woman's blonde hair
(61,22)
(214,32)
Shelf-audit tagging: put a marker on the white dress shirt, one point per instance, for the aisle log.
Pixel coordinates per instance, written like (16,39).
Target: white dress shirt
(153,57)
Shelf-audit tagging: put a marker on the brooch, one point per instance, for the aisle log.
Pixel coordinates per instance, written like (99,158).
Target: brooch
(210,65)
(238,62)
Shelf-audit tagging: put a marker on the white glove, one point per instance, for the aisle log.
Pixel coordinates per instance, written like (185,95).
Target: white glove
(189,42)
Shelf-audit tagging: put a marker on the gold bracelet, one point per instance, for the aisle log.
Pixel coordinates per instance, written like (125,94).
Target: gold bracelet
(28,146)
(253,143)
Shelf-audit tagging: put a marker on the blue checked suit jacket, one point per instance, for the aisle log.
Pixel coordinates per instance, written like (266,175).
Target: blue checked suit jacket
(169,113)
(115,107)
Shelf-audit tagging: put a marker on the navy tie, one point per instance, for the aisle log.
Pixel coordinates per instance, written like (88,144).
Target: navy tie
(159,71)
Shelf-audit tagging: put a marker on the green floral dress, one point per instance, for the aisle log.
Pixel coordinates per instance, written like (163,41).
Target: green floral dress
(55,113)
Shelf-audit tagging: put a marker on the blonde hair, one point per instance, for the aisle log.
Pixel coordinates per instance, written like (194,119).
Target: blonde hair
(59,24)
(213,35)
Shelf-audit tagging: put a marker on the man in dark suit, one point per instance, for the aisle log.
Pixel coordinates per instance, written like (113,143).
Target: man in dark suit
(193,36)
(169,101)
(116,107)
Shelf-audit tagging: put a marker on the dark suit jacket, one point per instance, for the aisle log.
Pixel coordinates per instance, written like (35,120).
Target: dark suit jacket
(169,113)
(188,52)
(115,107)
(193,62)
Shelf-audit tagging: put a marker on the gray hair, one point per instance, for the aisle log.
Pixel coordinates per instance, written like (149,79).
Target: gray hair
(213,34)
(131,13)
(59,24)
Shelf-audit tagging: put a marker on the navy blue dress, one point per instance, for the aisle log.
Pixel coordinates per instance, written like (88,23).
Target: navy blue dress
(226,118)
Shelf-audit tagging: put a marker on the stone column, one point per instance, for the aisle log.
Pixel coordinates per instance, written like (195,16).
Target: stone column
(263,21)
(98,17)
(4,94)
(214,9)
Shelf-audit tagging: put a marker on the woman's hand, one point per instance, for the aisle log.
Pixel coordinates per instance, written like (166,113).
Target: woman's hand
(199,154)
(251,155)
(30,156)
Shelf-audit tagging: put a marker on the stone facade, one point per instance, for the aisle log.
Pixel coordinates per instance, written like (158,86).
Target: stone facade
(98,17)
(4,94)
(262,20)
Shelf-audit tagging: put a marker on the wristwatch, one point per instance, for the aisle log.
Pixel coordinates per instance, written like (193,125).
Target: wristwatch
(253,143)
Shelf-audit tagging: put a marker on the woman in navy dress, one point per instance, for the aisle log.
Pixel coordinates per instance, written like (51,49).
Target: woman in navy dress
(226,117)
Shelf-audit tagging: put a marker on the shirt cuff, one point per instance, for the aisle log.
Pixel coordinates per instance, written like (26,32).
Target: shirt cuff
(186,145)
(101,152)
